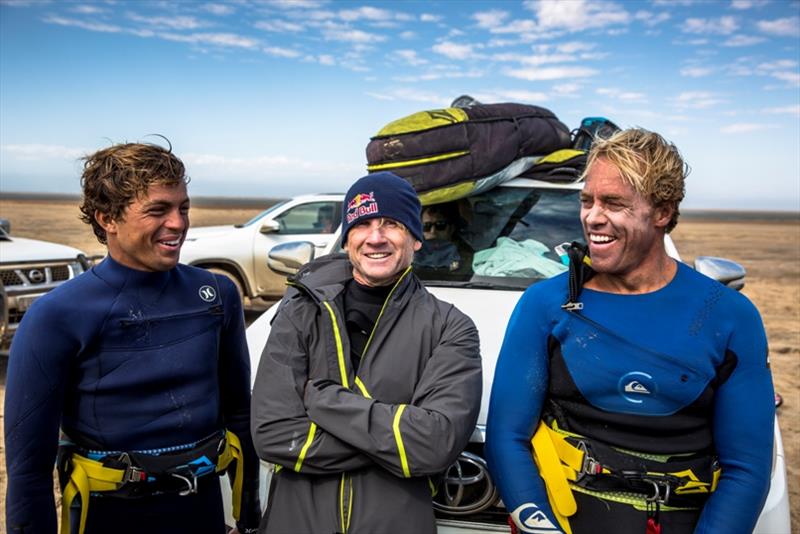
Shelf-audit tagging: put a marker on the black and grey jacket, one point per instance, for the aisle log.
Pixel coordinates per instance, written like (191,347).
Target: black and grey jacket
(354,452)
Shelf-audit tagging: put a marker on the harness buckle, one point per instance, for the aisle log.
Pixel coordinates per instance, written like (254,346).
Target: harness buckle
(572,306)
(590,466)
(132,473)
(190,481)
(657,496)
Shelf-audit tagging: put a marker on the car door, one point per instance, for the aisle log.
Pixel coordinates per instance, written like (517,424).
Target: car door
(314,221)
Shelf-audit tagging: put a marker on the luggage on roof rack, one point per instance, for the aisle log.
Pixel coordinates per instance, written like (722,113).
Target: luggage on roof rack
(453,152)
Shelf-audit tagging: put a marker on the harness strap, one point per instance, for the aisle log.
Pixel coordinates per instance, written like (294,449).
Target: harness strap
(87,476)
(566,467)
(558,491)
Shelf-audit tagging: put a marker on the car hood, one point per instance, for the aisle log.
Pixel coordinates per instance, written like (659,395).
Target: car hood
(209,231)
(489,309)
(20,249)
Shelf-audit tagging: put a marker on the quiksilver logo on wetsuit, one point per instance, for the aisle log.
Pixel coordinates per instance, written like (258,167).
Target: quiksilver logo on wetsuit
(637,386)
(207,293)
(530,518)
(634,386)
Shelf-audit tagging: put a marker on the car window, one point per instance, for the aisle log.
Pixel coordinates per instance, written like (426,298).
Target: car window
(311,218)
(503,238)
(264,213)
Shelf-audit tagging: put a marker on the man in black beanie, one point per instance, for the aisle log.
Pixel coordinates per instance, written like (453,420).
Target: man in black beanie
(368,384)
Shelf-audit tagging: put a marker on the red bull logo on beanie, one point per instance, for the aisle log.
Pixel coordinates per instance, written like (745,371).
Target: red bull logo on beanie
(360,205)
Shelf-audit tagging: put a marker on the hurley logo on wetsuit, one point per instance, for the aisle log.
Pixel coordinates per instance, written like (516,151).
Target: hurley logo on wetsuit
(207,293)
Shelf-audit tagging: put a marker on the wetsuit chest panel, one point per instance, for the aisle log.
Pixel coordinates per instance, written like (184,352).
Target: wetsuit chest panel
(621,376)
(154,367)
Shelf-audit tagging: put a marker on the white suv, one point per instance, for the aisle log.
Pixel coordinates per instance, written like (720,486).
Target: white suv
(524,211)
(29,268)
(240,251)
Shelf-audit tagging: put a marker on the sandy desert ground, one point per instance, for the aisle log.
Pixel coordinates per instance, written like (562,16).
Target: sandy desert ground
(769,248)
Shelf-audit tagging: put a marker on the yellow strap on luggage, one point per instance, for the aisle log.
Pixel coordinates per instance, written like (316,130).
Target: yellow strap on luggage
(89,476)
(558,491)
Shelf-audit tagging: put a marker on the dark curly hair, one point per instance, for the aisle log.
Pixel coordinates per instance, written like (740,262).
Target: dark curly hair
(115,176)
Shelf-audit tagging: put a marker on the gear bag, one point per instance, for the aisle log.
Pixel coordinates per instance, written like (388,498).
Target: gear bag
(455,151)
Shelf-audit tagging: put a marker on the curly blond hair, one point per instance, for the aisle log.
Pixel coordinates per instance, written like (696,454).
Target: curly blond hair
(651,164)
(115,176)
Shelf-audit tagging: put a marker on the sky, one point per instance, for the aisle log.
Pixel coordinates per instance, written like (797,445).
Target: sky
(277,98)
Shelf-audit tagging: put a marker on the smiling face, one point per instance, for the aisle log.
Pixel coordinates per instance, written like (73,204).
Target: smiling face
(149,234)
(379,249)
(625,232)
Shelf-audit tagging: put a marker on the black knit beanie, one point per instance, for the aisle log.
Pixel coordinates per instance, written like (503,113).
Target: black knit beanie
(382,194)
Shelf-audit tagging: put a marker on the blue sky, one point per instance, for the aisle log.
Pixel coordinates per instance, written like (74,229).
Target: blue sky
(275,98)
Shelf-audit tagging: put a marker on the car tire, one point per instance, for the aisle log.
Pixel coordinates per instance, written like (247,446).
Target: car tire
(236,282)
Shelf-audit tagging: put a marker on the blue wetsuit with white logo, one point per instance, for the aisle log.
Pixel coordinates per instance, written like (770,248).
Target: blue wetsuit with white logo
(126,360)
(680,370)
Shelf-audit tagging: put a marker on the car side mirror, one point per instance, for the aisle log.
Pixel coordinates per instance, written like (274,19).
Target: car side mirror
(5,224)
(270,227)
(725,271)
(287,258)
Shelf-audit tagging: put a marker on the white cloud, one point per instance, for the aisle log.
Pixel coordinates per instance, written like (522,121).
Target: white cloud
(785,27)
(218,9)
(84,9)
(574,46)
(724,25)
(352,36)
(173,23)
(454,50)
(651,19)
(743,40)
(427,17)
(744,127)
(86,25)
(696,72)
(490,19)
(407,35)
(412,95)
(40,152)
(278,51)
(747,4)
(577,15)
(784,110)
(299,4)
(566,89)
(626,96)
(550,73)
(278,26)
(510,95)
(216,39)
(696,100)
(366,13)
(411,57)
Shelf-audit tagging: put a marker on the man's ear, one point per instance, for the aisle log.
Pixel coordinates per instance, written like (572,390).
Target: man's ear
(417,245)
(662,214)
(105,221)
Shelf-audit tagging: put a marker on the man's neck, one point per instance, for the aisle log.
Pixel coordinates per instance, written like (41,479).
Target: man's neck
(645,278)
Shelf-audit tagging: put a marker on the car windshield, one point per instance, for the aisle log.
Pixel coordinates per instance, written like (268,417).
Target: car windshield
(505,238)
(263,213)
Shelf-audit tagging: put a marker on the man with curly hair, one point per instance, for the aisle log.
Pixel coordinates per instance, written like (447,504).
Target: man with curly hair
(632,393)
(134,377)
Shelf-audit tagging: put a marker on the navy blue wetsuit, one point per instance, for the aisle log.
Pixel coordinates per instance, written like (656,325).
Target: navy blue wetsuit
(123,360)
(682,369)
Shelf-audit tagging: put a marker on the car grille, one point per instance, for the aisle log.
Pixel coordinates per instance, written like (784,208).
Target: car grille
(10,278)
(34,275)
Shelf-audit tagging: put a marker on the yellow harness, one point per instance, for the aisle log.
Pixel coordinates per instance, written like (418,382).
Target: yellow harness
(563,466)
(87,476)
